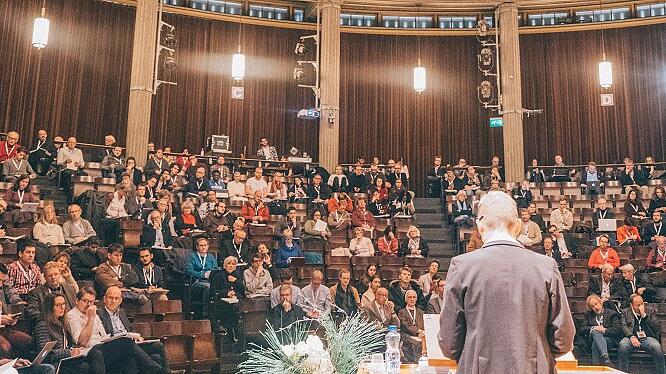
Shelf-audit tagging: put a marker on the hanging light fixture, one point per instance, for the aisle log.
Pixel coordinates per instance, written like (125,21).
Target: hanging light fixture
(40,30)
(238,59)
(419,71)
(605,67)
(419,78)
(605,73)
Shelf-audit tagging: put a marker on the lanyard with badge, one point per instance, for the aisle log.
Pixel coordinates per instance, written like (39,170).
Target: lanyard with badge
(604,257)
(640,333)
(7,149)
(20,194)
(203,261)
(149,276)
(79,226)
(118,272)
(413,317)
(602,215)
(600,319)
(26,274)
(657,231)
(238,249)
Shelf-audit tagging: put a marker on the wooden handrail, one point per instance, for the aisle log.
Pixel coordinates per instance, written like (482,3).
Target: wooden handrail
(211,158)
(530,167)
(85,145)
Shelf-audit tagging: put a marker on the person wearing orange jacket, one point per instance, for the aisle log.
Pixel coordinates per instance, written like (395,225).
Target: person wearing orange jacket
(604,254)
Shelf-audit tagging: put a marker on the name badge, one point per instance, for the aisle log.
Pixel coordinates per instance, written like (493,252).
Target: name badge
(641,334)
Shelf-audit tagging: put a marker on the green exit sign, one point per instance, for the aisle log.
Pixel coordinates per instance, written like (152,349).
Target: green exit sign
(496,122)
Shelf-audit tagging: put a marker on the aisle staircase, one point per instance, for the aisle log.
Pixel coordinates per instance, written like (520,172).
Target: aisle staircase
(435,230)
(49,191)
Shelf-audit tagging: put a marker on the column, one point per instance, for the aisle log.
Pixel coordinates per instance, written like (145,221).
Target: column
(512,105)
(329,133)
(141,81)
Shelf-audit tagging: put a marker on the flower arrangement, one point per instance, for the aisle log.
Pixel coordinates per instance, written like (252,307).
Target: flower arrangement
(293,350)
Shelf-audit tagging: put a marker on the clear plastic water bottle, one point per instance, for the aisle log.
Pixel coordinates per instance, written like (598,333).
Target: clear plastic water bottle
(392,351)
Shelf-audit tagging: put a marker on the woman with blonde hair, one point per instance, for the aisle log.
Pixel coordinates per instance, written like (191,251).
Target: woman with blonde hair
(413,245)
(47,230)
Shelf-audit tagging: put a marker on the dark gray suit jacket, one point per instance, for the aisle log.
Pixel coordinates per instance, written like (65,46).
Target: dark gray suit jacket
(505,311)
(36,309)
(106,320)
(434,305)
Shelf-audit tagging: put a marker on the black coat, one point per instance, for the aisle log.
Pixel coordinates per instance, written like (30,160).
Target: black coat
(227,249)
(392,177)
(649,324)
(536,218)
(280,319)
(521,201)
(324,192)
(641,281)
(617,291)
(158,277)
(36,308)
(649,231)
(193,188)
(608,214)
(103,315)
(639,178)
(396,295)
(148,236)
(357,183)
(403,249)
(612,322)
(82,263)
(43,334)
(221,285)
(557,256)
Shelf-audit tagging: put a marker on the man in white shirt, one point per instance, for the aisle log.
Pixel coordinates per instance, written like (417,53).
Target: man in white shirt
(315,296)
(286,277)
(87,330)
(562,217)
(115,322)
(236,188)
(257,183)
(70,159)
(530,233)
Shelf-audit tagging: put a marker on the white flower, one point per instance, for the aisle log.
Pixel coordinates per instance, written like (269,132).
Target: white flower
(288,350)
(302,349)
(314,343)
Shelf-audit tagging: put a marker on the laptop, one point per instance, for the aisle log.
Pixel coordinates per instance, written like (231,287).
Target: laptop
(43,353)
(607,225)
(594,186)
(296,261)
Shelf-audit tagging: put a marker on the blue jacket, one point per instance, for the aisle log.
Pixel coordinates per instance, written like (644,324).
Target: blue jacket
(193,266)
(283,253)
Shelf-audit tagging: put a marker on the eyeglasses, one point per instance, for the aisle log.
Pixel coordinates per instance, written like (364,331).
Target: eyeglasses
(60,305)
(89,302)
